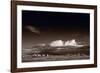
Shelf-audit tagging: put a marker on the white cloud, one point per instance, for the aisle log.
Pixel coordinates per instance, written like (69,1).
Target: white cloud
(33,29)
(71,43)
(57,43)
(67,43)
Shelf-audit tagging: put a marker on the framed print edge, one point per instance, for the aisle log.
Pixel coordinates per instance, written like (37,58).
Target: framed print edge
(95,36)
(14,36)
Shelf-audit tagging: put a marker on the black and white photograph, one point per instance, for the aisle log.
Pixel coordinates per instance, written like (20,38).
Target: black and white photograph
(55,36)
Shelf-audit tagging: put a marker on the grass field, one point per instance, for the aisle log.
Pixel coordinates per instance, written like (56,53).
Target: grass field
(54,54)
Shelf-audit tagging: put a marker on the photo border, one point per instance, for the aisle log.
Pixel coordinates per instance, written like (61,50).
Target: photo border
(14,35)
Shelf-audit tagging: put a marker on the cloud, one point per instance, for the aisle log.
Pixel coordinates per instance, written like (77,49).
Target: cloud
(57,43)
(67,43)
(71,42)
(33,29)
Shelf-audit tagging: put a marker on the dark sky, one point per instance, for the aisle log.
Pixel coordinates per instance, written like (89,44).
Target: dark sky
(55,26)
(56,20)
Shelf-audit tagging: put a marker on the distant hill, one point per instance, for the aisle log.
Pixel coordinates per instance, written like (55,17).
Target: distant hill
(61,50)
